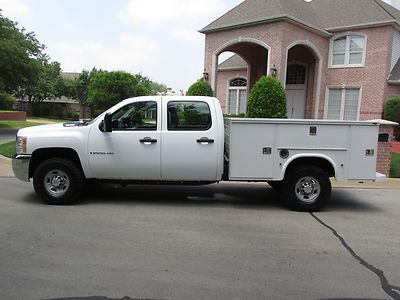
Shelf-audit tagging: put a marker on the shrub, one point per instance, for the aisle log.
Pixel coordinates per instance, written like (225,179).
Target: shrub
(391,112)
(200,88)
(267,99)
(40,109)
(7,102)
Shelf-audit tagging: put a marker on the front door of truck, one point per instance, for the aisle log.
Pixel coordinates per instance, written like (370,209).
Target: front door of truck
(189,150)
(132,149)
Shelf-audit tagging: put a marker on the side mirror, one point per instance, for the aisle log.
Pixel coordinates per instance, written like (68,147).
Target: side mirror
(107,123)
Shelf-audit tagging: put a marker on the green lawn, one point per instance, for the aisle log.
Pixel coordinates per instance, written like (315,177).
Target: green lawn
(17,124)
(395,166)
(7,110)
(7,149)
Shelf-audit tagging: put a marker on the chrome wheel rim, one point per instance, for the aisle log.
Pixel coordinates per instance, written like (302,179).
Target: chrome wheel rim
(307,189)
(56,183)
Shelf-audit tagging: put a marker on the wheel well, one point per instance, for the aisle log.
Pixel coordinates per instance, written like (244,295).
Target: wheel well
(322,163)
(39,155)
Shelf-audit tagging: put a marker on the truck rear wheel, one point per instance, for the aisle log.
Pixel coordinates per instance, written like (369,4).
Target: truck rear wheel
(306,188)
(58,181)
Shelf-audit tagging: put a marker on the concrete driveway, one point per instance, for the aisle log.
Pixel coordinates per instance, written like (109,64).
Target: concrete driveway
(223,241)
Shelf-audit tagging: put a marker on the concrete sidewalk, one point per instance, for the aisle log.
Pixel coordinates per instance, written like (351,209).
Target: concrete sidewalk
(5,167)
(390,183)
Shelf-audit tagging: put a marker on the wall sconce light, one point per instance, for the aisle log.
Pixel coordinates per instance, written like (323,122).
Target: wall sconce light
(274,71)
(205,76)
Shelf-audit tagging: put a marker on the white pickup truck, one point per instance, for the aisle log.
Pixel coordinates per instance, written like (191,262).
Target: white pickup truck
(186,140)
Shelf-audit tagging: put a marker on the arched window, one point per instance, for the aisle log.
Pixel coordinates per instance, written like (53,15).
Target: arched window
(348,50)
(237,96)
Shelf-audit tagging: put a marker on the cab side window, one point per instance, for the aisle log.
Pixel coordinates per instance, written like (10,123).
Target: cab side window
(188,115)
(136,116)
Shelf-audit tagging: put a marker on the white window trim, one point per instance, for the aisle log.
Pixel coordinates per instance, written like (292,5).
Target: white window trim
(342,103)
(237,95)
(347,51)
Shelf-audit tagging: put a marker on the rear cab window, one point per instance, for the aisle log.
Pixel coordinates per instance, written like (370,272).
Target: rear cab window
(188,116)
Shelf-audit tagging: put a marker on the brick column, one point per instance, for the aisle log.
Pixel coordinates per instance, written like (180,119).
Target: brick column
(384,147)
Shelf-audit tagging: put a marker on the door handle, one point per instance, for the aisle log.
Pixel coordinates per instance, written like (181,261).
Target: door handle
(147,140)
(205,140)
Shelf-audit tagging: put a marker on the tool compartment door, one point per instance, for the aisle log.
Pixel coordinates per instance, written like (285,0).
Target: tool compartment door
(251,151)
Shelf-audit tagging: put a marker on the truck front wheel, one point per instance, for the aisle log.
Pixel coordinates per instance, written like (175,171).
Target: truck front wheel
(58,181)
(306,188)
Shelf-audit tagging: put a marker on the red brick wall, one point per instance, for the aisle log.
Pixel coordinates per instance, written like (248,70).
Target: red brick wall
(372,78)
(392,91)
(384,151)
(15,116)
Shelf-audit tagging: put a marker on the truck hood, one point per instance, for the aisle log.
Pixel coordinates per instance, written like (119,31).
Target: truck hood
(43,129)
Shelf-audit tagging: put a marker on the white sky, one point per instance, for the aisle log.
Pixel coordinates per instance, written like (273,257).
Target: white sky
(158,38)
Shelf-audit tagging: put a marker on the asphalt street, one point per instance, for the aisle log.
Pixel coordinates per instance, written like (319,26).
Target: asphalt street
(223,241)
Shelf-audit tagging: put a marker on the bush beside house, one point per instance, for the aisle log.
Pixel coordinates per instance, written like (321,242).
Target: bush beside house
(392,113)
(200,88)
(267,99)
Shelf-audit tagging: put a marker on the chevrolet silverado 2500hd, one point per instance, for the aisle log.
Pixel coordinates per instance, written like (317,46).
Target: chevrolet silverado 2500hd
(187,140)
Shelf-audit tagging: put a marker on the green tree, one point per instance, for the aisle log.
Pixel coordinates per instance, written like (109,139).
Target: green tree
(49,83)
(7,101)
(20,57)
(200,88)
(392,112)
(78,88)
(108,88)
(267,99)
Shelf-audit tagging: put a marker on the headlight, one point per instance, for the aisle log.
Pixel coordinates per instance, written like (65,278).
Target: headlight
(21,145)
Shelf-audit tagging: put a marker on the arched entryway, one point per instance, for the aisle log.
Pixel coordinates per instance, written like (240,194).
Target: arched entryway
(302,81)
(256,56)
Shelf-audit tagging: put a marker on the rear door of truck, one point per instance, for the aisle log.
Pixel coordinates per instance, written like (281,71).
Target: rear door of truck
(189,148)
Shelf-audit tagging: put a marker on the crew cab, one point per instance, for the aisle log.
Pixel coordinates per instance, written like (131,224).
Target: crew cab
(186,140)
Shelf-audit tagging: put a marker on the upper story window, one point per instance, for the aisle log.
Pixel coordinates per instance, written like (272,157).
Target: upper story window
(348,51)
(188,115)
(136,116)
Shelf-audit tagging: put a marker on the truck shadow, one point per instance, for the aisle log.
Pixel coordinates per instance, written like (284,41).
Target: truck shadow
(215,194)
(248,195)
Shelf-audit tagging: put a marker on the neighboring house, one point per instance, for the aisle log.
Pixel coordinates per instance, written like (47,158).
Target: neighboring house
(337,59)
(62,107)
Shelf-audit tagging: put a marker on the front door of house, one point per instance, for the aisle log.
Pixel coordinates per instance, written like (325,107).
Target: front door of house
(296,91)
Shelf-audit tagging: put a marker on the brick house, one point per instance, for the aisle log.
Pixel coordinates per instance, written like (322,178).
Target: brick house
(63,107)
(337,59)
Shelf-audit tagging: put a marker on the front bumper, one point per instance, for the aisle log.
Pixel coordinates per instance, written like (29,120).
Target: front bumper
(20,165)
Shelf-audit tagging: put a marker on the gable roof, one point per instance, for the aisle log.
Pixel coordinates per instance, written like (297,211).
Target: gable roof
(234,62)
(322,16)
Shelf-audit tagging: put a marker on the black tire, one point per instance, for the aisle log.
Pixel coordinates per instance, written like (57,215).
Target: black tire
(276,185)
(58,181)
(306,188)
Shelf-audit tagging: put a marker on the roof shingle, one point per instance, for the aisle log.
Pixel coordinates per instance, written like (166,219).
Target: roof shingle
(322,15)
(233,62)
